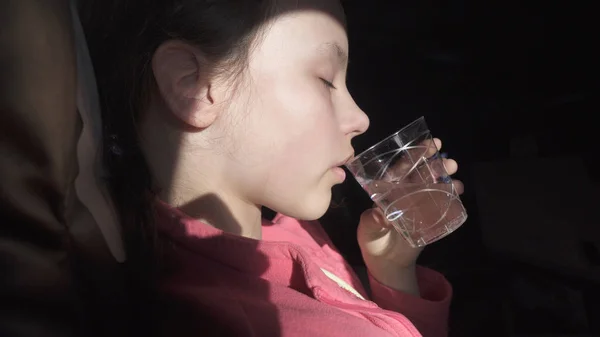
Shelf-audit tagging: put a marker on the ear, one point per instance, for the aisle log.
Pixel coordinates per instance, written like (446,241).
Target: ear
(183,83)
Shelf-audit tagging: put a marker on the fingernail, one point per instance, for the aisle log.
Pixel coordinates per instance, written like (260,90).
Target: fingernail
(378,215)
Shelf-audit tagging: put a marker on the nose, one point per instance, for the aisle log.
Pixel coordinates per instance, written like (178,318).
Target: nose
(354,121)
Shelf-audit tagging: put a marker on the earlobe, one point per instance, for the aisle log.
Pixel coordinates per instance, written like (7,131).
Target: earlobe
(180,77)
(203,110)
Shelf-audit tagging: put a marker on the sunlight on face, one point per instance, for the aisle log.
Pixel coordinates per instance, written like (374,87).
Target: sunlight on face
(293,122)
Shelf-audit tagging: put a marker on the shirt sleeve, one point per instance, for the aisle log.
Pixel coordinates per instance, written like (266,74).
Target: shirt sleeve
(429,313)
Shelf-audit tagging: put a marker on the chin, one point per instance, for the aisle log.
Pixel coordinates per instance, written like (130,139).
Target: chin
(310,216)
(313,207)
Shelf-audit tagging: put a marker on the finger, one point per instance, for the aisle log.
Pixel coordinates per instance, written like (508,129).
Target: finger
(459,187)
(433,146)
(374,219)
(451,166)
(438,143)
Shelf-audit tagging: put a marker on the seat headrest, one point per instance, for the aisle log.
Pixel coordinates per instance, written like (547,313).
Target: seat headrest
(89,186)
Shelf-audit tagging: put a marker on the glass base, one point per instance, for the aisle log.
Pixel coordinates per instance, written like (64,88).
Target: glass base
(417,239)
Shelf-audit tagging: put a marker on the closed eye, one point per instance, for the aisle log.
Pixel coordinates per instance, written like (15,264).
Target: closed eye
(328,84)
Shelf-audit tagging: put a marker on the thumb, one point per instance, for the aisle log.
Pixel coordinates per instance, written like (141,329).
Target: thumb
(374,233)
(373,222)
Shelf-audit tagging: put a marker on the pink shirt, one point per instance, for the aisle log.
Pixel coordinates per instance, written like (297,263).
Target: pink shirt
(291,283)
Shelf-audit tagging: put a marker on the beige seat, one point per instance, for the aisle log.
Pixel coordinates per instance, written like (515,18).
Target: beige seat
(60,245)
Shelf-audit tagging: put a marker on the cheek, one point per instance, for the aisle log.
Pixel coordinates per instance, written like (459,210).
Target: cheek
(307,123)
(291,131)
(290,139)
(300,175)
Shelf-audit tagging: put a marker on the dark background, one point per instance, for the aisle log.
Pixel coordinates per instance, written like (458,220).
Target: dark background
(498,81)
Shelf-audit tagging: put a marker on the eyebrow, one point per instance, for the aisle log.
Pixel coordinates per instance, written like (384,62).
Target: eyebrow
(335,49)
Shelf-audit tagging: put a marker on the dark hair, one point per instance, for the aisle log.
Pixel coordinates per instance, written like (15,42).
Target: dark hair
(122,38)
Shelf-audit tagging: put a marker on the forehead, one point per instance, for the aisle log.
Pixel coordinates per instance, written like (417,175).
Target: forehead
(303,34)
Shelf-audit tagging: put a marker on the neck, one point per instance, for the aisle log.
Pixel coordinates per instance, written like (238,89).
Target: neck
(192,180)
(228,213)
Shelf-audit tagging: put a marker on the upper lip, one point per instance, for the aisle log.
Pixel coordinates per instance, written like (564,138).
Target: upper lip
(346,160)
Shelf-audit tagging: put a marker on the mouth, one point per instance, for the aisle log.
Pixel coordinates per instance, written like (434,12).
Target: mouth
(339,173)
(338,169)
(345,161)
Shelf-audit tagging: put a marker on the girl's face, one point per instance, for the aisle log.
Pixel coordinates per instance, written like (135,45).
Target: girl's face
(274,138)
(293,119)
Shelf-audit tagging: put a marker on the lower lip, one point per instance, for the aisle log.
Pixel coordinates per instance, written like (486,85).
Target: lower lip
(340,173)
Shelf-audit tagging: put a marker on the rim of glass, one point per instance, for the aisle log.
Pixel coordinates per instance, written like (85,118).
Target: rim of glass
(358,156)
